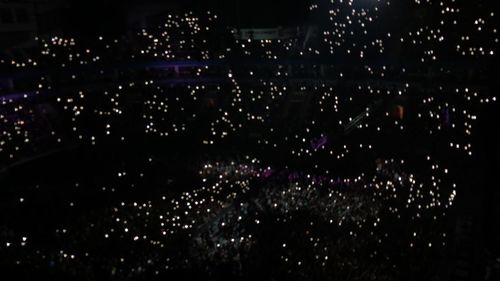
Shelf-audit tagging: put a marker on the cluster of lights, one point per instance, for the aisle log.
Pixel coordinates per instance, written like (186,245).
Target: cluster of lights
(243,99)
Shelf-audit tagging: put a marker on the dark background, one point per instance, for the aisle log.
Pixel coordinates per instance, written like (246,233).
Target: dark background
(110,16)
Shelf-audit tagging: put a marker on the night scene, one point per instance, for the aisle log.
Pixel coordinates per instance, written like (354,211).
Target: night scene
(266,140)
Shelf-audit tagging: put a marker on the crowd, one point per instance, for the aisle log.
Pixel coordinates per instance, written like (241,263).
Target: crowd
(334,154)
